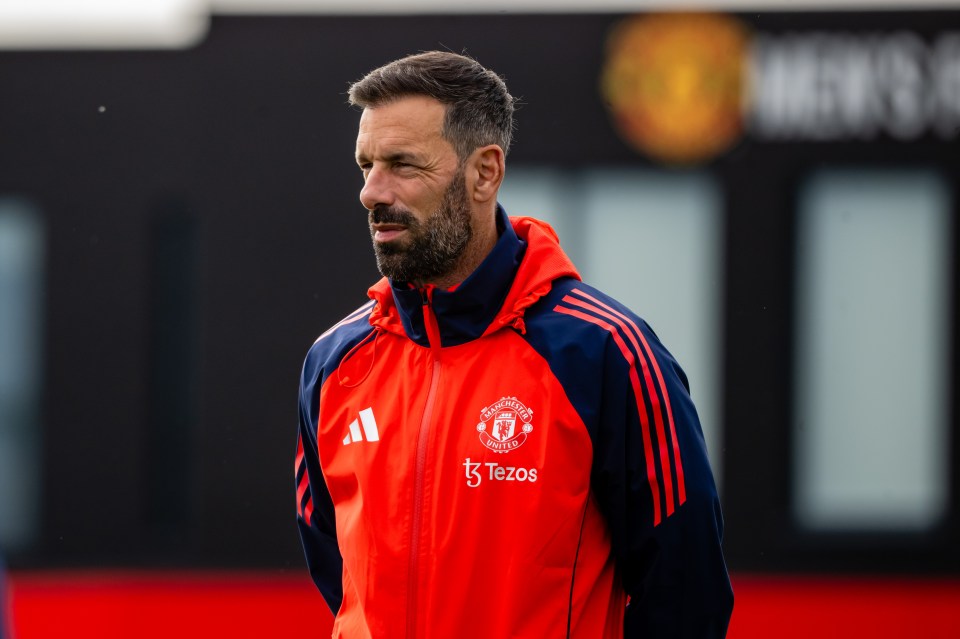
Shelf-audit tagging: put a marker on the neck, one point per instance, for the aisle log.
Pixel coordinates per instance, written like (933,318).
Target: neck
(481,243)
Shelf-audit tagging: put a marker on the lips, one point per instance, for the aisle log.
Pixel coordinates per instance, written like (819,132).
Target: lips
(387,232)
(387,223)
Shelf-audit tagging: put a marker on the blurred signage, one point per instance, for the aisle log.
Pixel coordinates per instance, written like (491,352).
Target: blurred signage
(684,88)
(674,83)
(844,86)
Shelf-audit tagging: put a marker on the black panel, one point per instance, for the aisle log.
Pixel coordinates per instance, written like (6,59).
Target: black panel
(204,228)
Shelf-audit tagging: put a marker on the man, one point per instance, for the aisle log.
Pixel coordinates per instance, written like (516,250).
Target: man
(489,447)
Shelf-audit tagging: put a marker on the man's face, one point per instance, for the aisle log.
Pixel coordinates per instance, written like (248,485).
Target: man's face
(414,190)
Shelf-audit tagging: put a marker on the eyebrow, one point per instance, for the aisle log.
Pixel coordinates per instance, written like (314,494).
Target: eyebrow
(398,156)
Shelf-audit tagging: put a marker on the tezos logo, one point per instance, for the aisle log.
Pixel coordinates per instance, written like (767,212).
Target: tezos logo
(504,433)
(495,472)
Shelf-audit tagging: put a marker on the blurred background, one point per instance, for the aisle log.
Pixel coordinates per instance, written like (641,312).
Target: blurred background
(772,185)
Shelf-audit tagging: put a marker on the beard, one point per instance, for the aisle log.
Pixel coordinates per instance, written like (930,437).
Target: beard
(433,247)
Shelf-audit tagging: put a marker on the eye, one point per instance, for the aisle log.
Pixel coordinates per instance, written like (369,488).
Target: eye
(404,167)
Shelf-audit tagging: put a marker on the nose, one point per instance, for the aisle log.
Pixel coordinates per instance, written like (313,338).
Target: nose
(376,189)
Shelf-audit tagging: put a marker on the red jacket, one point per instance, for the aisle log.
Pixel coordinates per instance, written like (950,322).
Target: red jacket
(509,459)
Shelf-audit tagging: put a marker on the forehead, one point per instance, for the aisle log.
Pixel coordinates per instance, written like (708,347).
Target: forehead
(409,123)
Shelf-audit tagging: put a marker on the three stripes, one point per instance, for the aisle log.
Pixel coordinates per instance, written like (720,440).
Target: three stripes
(651,396)
(304,499)
(370,431)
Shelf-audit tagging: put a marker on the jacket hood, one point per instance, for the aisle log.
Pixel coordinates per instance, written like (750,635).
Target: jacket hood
(520,270)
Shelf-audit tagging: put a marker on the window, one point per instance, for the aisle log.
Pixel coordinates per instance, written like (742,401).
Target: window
(872,351)
(21,292)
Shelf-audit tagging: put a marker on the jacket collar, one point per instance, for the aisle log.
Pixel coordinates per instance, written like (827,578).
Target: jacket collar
(518,270)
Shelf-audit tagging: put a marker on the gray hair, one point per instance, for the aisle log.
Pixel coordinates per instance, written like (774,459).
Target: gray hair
(479,109)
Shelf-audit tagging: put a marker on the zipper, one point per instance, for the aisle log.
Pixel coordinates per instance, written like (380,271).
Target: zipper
(433,337)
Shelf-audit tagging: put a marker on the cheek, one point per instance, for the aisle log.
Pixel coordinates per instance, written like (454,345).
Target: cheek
(421,202)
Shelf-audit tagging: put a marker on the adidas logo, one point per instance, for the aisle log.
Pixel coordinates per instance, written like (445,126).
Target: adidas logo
(369,424)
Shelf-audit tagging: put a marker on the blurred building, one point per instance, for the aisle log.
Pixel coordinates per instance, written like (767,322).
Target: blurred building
(179,220)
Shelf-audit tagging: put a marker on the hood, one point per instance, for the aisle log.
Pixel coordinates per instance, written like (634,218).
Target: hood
(520,269)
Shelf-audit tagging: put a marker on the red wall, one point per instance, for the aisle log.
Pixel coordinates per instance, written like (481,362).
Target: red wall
(122,605)
(168,605)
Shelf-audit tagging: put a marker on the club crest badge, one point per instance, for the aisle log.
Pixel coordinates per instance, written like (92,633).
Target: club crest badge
(505,425)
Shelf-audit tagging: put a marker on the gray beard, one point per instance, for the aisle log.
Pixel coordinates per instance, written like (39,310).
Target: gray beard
(434,247)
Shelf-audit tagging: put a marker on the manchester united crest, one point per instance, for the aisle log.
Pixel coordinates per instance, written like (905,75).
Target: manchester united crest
(505,425)
(675,83)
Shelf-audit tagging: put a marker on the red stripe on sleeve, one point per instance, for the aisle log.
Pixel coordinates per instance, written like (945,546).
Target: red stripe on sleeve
(308,510)
(635,381)
(681,489)
(302,486)
(301,489)
(303,510)
(654,400)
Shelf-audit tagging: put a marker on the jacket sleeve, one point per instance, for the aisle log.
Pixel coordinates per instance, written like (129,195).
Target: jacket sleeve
(316,520)
(652,479)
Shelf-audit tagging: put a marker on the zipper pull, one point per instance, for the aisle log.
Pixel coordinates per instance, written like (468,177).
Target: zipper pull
(426,294)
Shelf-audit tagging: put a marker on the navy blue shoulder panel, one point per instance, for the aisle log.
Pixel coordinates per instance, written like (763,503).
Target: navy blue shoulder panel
(650,475)
(328,352)
(628,390)
(578,328)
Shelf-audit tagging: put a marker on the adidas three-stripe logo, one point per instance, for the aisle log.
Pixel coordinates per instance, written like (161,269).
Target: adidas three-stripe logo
(369,424)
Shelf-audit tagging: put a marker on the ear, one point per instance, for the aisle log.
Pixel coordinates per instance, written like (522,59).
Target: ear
(488,167)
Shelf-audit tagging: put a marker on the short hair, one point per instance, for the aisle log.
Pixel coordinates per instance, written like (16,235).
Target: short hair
(479,109)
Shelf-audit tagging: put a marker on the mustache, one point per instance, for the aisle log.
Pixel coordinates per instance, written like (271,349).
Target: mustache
(391,215)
